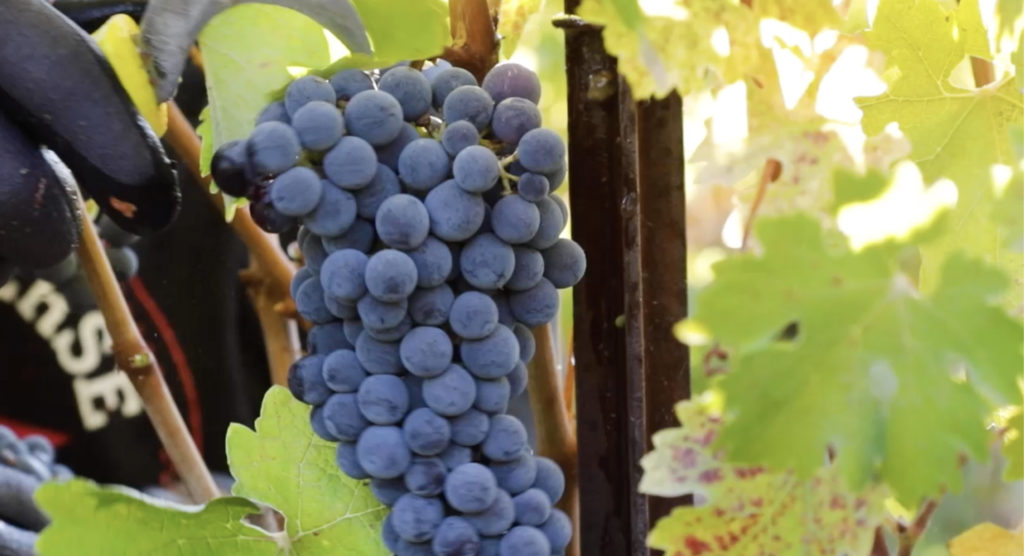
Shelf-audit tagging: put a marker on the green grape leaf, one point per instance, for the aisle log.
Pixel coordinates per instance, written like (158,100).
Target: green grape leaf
(955,133)
(916,375)
(512,18)
(672,48)
(283,464)
(1013,447)
(92,519)
(742,510)
(405,30)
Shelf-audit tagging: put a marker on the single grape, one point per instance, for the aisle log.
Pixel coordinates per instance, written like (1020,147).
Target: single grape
(430,306)
(451,393)
(455,455)
(268,219)
(319,125)
(340,308)
(425,476)
(389,535)
(342,371)
(529,269)
(306,89)
(310,303)
(343,418)
(388,154)
(416,518)
(383,399)
(476,169)
(319,425)
(551,224)
(493,356)
(524,540)
(306,381)
(517,475)
(506,440)
(300,277)
(533,187)
(410,88)
(470,488)
(347,461)
(274,112)
(359,236)
(313,251)
(532,507)
(426,351)
(390,277)
(473,315)
(512,80)
(342,274)
(426,433)
(327,338)
(433,262)
(558,530)
(555,179)
(123,261)
(496,518)
(470,103)
(513,117)
(382,451)
(446,80)
(515,220)
(455,215)
(350,82)
(272,148)
(378,357)
(351,164)
(458,136)
(335,213)
(564,263)
(402,222)
(229,169)
(296,192)
(487,262)
(455,537)
(504,310)
(470,428)
(381,314)
(374,116)
(388,491)
(541,150)
(537,305)
(492,395)
(517,380)
(383,185)
(392,334)
(550,478)
(423,164)
(353,328)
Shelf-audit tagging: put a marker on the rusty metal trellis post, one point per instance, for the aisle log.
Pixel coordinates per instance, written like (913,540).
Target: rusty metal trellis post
(628,206)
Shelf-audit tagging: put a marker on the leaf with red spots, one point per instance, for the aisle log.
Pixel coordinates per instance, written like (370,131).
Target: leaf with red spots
(748,511)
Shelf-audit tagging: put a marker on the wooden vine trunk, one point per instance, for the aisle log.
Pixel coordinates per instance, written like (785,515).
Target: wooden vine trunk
(627,197)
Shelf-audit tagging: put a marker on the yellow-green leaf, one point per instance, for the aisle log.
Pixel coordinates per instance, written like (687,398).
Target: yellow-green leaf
(511,20)
(117,38)
(987,539)
(91,519)
(283,464)
(743,510)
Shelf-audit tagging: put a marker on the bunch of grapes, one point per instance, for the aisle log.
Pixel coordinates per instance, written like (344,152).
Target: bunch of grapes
(431,241)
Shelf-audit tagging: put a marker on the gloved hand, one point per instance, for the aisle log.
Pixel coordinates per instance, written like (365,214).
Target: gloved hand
(58,91)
